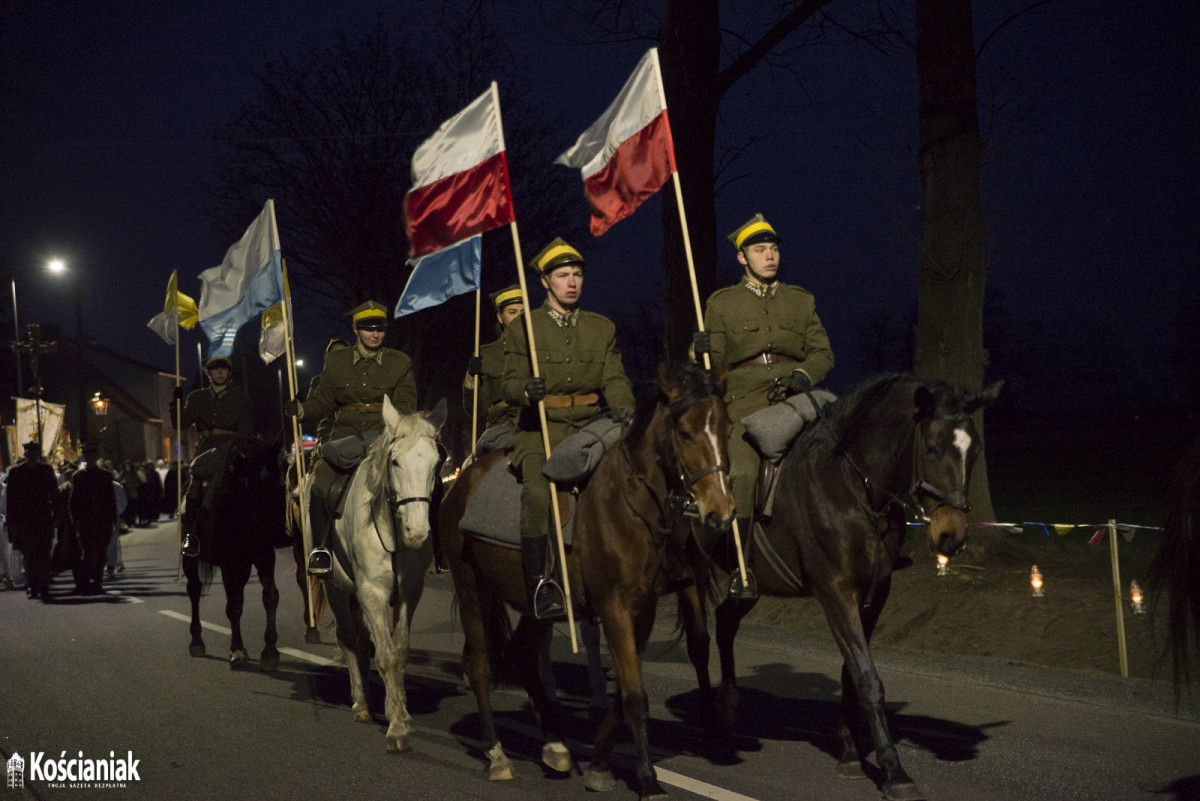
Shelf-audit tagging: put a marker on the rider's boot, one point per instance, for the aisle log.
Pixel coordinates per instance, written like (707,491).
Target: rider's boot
(320,560)
(545,596)
(737,590)
(190,546)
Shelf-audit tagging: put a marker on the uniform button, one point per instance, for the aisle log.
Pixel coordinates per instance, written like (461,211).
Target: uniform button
(569,380)
(568,340)
(567,360)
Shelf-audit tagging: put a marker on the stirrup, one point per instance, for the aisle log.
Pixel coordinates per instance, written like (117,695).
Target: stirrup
(548,600)
(190,546)
(320,561)
(737,592)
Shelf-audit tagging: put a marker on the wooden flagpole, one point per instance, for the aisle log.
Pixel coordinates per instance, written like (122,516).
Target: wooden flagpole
(562,551)
(178,450)
(687,249)
(289,346)
(475,378)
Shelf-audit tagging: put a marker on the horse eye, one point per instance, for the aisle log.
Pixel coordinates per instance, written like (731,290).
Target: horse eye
(685,436)
(931,450)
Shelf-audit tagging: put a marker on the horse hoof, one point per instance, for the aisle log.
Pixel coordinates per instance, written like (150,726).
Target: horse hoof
(238,657)
(501,773)
(362,716)
(268,662)
(903,791)
(851,769)
(653,791)
(399,744)
(599,781)
(556,757)
(196,649)
(312,636)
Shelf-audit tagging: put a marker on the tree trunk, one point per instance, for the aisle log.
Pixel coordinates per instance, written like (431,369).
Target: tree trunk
(948,342)
(689,46)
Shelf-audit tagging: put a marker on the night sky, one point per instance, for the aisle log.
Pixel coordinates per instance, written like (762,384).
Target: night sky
(1091,111)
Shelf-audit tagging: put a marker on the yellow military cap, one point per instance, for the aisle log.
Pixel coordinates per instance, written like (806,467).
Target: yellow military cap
(506,296)
(219,361)
(556,254)
(756,230)
(370,316)
(336,344)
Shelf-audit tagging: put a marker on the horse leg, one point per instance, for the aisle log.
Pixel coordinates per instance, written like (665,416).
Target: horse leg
(729,616)
(532,637)
(861,683)
(191,569)
(391,657)
(355,653)
(234,579)
(268,660)
(695,627)
(477,667)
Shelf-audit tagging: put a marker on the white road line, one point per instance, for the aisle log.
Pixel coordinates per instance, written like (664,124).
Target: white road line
(664,775)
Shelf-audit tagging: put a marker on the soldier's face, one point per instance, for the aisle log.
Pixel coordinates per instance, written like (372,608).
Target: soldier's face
(370,340)
(564,286)
(510,312)
(219,376)
(761,261)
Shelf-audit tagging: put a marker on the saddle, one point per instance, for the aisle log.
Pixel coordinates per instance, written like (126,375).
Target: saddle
(494,512)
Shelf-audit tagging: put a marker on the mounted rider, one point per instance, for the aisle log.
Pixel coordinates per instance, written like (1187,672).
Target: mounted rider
(579,368)
(222,414)
(769,334)
(354,382)
(489,364)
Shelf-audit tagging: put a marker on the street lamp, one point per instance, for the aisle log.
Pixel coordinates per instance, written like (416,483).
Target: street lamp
(16,333)
(59,267)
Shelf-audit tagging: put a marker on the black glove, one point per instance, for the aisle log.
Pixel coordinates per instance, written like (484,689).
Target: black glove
(474,366)
(797,382)
(177,394)
(701,343)
(619,414)
(535,389)
(292,407)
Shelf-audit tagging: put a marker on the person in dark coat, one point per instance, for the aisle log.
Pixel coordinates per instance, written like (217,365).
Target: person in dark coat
(31,490)
(151,494)
(94,511)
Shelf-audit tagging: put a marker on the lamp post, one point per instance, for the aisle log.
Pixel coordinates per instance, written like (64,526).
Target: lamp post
(16,334)
(58,266)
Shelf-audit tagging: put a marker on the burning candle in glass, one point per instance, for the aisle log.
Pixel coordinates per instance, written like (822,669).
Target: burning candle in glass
(1035,581)
(943,564)
(1135,598)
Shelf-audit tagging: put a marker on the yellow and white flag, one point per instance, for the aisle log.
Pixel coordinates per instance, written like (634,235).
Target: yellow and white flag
(178,310)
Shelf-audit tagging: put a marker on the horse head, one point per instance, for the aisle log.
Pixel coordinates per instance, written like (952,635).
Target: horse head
(700,428)
(410,458)
(945,447)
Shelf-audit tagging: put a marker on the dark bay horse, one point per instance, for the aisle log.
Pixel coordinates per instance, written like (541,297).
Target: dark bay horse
(623,557)
(240,532)
(894,448)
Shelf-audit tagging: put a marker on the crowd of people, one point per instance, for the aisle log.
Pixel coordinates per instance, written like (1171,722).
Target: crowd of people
(69,518)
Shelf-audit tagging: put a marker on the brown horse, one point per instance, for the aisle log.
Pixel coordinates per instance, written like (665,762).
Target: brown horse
(622,559)
(896,448)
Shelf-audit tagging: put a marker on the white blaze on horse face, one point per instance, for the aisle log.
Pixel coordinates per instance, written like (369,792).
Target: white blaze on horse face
(710,430)
(962,441)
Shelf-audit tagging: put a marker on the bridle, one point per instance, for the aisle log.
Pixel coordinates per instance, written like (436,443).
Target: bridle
(395,504)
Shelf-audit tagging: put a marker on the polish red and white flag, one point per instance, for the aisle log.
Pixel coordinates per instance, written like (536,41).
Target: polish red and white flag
(628,154)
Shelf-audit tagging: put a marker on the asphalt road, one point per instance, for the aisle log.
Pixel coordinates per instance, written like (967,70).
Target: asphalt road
(113,674)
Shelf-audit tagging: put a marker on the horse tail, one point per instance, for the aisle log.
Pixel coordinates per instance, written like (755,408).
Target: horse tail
(1175,572)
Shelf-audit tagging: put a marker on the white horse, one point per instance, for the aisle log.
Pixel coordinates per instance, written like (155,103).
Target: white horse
(381,549)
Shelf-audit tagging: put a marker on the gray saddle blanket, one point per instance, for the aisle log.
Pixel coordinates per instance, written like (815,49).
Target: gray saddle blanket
(496,438)
(773,429)
(494,513)
(346,453)
(576,457)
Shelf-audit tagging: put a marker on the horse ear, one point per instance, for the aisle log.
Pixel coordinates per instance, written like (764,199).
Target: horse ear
(671,384)
(438,415)
(986,397)
(391,417)
(925,402)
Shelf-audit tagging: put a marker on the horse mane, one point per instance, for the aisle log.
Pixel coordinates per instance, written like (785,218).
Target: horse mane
(375,462)
(698,385)
(847,416)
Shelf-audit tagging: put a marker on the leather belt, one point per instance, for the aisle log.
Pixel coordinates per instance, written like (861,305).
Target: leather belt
(218,432)
(765,358)
(364,407)
(562,401)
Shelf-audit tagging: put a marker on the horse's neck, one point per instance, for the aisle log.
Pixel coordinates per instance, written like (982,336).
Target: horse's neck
(883,452)
(651,456)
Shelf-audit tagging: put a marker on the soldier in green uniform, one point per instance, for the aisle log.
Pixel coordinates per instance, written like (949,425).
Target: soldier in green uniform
(326,425)
(489,364)
(221,414)
(354,382)
(579,367)
(769,335)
